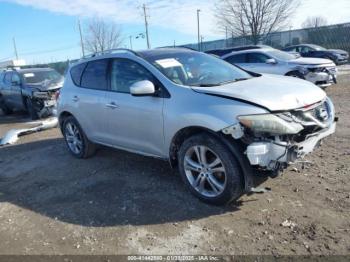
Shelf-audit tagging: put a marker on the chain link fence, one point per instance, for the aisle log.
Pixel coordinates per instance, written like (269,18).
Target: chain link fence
(331,37)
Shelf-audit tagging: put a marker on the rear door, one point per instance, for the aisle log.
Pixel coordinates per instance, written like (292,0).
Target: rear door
(87,98)
(134,123)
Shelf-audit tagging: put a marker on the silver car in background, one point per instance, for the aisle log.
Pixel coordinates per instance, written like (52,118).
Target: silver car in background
(220,125)
(321,72)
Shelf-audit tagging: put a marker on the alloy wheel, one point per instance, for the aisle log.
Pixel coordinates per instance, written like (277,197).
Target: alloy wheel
(205,171)
(73,138)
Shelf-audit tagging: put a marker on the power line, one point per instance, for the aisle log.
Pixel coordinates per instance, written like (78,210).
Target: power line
(48,51)
(146,25)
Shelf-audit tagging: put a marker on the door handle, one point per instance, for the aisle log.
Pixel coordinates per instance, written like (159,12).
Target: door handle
(75,98)
(112,105)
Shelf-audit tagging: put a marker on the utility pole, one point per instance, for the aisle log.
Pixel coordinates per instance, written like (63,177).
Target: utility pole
(130,39)
(15,47)
(199,40)
(146,25)
(81,39)
(202,38)
(226,43)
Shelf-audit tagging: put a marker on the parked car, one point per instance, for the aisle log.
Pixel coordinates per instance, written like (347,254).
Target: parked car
(32,89)
(224,51)
(220,125)
(321,72)
(307,50)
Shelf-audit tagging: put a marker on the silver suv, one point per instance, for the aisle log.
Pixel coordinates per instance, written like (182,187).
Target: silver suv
(220,125)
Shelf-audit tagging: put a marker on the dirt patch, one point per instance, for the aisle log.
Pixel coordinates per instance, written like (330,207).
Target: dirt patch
(121,203)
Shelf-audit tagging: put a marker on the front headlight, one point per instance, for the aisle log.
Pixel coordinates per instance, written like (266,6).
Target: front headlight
(269,123)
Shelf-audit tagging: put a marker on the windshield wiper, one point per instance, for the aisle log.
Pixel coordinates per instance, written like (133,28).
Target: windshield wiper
(221,83)
(232,81)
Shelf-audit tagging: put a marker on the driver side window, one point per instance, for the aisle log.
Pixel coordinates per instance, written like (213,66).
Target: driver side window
(305,49)
(124,73)
(257,58)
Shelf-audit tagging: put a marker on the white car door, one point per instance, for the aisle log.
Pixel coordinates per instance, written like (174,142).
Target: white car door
(134,122)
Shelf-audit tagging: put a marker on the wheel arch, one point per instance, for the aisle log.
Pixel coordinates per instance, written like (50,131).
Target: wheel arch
(62,116)
(236,147)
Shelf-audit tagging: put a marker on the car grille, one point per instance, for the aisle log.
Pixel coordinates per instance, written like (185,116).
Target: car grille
(321,114)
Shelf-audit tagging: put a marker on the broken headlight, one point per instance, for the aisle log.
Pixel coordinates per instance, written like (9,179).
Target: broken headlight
(269,123)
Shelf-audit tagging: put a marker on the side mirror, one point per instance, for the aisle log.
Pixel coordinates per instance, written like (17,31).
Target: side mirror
(271,61)
(142,88)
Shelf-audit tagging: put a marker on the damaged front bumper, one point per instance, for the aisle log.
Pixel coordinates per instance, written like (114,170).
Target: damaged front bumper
(323,77)
(273,155)
(273,141)
(45,102)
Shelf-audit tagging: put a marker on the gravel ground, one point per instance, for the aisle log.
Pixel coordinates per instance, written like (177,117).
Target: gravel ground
(121,203)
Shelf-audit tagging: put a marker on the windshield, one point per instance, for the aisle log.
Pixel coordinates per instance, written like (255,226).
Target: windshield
(36,77)
(281,55)
(196,69)
(317,47)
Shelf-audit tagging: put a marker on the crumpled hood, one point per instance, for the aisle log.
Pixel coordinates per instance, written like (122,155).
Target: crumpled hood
(310,61)
(276,93)
(46,85)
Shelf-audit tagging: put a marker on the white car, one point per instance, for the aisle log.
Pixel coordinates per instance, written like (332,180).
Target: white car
(321,72)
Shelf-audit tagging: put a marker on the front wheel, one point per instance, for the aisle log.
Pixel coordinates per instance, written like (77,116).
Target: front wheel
(296,74)
(31,109)
(5,109)
(210,170)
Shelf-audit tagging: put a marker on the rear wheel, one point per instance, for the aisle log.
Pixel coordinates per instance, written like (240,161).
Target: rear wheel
(76,140)
(5,109)
(210,170)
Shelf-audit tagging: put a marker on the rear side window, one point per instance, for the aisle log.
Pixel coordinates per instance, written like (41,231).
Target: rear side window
(236,59)
(95,75)
(76,73)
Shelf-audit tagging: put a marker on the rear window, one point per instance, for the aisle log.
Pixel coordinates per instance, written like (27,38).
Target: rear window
(95,75)
(76,73)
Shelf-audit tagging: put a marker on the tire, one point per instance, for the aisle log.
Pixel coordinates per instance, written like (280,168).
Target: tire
(5,109)
(296,74)
(31,110)
(84,148)
(226,177)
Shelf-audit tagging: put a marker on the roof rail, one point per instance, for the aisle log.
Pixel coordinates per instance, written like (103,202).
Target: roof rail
(110,51)
(10,68)
(179,47)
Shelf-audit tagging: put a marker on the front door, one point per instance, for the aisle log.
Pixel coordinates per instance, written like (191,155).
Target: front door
(134,123)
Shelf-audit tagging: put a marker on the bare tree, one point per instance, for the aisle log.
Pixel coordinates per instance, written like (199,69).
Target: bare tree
(100,36)
(254,18)
(314,22)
